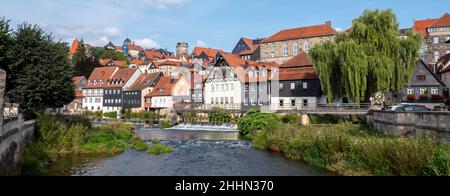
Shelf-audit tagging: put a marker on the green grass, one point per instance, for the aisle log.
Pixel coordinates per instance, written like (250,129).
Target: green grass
(158,149)
(348,149)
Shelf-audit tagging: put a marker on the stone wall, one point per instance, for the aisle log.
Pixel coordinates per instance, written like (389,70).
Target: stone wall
(432,124)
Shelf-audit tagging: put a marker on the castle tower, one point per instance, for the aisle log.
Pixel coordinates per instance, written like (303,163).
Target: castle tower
(182,49)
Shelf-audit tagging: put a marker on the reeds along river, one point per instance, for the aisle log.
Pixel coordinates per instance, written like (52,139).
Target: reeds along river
(196,153)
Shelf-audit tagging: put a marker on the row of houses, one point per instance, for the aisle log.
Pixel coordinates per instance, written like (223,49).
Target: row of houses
(274,72)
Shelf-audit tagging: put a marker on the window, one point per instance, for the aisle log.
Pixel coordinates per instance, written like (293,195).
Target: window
(200,96)
(217,100)
(263,72)
(222,100)
(281,102)
(295,49)
(285,50)
(226,100)
(434,91)
(266,55)
(227,87)
(435,40)
(423,91)
(212,88)
(253,87)
(281,86)
(246,101)
(305,102)
(250,73)
(260,87)
(193,96)
(272,55)
(218,87)
(246,87)
(421,77)
(293,102)
(212,100)
(292,86)
(436,56)
(305,85)
(231,100)
(410,91)
(306,46)
(254,101)
(232,87)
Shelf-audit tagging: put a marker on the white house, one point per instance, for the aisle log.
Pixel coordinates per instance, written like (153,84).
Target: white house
(94,86)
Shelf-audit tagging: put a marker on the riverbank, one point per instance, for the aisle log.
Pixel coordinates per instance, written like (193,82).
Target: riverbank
(348,149)
(68,137)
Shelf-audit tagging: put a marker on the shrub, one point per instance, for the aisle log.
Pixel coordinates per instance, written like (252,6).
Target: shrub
(158,149)
(139,145)
(290,118)
(165,124)
(256,121)
(325,119)
(112,115)
(219,117)
(31,166)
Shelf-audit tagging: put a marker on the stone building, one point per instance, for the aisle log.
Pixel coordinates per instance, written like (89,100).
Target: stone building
(182,49)
(288,43)
(436,32)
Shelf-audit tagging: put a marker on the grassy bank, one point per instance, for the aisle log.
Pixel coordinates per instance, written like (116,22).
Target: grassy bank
(352,150)
(60,137)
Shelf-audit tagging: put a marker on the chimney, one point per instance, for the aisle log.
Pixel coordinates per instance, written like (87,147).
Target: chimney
(328,23)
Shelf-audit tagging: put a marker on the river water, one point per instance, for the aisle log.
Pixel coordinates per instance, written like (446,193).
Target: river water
(196,153)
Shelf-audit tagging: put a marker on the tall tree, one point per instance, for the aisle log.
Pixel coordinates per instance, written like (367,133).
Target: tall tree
(40,71)
(83,65)
(5,42)
(371,57)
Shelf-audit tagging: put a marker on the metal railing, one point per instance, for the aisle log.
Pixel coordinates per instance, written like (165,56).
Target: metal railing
(312,108)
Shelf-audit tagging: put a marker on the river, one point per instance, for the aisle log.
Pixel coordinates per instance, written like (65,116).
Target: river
(196,153)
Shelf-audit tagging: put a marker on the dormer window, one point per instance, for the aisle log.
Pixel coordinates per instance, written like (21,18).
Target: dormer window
(161,90)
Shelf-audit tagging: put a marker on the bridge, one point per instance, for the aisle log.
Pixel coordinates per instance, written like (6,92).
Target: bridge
(320,109)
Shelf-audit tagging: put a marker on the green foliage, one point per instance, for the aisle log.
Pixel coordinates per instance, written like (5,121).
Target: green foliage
(39,73)
(102,53)
(256,121)
(112,115)
(290,118)
(165,125)
(158,149)
(143,115)
(139,145)
(83,65)
(370,58)
(325,119)
(353,150)
(219,117)
(31,166)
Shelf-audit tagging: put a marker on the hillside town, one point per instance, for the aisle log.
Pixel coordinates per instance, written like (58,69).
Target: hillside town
(272,73)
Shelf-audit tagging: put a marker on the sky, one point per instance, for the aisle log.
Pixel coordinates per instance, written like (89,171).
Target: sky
(206,23)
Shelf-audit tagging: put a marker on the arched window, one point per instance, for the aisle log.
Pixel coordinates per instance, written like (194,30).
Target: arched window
(285,50)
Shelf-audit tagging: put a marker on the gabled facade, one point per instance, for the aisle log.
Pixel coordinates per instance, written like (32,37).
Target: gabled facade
(286,44)
(94,87)
(113,90)
(133,96)
(248,49)
(76,106)
(297,84)
(443,67)
(424,86)
(257,89)
(161,96)
(206,54)
(223,86)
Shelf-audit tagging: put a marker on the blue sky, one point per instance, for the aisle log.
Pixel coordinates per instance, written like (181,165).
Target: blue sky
(211,23)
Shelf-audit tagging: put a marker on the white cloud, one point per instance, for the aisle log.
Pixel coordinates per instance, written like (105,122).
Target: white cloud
(200,43)
(147,43)
(163,4)
(338,29)
(112,32)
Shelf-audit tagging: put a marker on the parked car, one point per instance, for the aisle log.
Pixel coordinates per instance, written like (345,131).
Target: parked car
(404,107)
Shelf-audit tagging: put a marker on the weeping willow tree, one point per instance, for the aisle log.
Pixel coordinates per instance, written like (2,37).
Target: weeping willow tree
(369,58)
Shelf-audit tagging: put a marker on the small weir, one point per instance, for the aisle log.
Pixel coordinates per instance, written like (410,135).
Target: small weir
(207,126)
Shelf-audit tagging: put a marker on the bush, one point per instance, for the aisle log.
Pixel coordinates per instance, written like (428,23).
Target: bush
(325,119)
(165,125)
(256,121)
(158,149)
(139,145)
(31,166)
(219,117)
(112,115)
(290,118)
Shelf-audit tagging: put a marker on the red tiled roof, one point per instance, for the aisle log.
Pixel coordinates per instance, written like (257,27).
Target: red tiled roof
(122,75)
(253,47)
(76,80)
(233,60)
(151,55)
(137,62)
(100,74)
(165,83)
(74,47)
(118,47)
(170,57)
(143,81)
(167,63)
(421,25)
(298,73)
(120,63)
(443,21)
(300,60)
(208,51)
(104,62)
(135,47)
(302,32)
